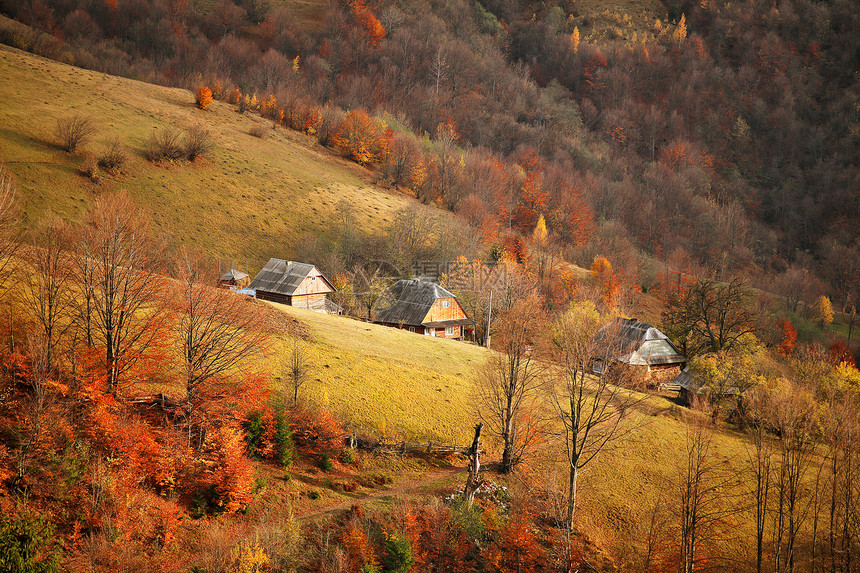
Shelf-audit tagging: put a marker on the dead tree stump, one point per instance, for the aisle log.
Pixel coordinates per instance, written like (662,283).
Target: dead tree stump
(473,482)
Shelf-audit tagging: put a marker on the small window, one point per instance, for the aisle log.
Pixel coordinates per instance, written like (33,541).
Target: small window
(429,332)
(449,331)
(313,278)
(411,329)
(446,303)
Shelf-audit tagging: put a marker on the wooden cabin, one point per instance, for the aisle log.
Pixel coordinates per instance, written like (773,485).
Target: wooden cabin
(297,284)
(640,347)
(234,279)
(425,308)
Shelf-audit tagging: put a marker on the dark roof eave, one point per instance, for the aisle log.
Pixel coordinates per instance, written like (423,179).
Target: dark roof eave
(446,323)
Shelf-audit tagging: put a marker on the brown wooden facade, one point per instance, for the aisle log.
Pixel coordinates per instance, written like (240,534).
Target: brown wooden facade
(296,284)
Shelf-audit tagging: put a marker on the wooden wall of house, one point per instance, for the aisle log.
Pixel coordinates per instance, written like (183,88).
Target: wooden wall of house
(309,301)
(438,314)
(273,296)
(314,283)
(440,332)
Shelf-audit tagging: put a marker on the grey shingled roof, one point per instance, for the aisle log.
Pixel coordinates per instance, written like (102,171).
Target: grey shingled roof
(413,300)
(686,380)
(281,277)
(234,275)
(639,343)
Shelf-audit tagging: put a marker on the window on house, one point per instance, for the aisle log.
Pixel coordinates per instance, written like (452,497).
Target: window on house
(449,331)
(429,331)
(411,329)
(446,303)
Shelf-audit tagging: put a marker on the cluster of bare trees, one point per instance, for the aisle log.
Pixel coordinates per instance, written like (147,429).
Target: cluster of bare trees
(543,385)
(798,484)
(97,299)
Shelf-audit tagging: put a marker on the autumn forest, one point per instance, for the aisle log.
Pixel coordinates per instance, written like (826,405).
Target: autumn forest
(575,164)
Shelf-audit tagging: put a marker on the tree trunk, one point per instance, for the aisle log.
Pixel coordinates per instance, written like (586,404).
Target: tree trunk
(472,481)
(571,495)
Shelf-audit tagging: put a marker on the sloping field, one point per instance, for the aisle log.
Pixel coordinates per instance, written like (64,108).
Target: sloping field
(388,382)
(251,199)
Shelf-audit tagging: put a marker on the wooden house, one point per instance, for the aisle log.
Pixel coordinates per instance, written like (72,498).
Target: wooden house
(426,308)
(297,284)
(234,279)
(641,347)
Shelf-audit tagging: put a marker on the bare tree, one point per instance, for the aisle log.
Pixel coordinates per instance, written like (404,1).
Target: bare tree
(34,409)
(410,234)
(590,408)
(48,296)
(218,330)
(841,435)
(711,317)
(370,285)
(508,384)
(702,505)
(793,419)
(295,370)
(116,271)
(760,463)
(8,222)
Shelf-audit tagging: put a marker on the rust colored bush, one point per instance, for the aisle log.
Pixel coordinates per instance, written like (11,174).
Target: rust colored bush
(362,138)
(315,430)
(204,97)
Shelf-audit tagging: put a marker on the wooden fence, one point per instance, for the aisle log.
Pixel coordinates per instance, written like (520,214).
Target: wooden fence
(403,448)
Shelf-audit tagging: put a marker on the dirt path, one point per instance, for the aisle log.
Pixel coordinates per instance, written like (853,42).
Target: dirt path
(405,488)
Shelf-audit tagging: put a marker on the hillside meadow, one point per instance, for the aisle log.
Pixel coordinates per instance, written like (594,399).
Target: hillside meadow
(394,384)
(251,198)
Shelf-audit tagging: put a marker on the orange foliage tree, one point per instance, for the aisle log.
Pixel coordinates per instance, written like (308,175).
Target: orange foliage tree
(204,97)
(316,430)
(359,550)
(517,546)
(839,353)
(219,334)
(606,279)
(369,23)
(789,337)
(362,138)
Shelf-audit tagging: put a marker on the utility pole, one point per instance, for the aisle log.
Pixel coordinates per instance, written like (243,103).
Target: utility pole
(489,319)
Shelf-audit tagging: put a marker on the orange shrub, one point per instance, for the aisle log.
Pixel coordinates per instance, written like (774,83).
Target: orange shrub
(316,430)
(362,138)
(204,97)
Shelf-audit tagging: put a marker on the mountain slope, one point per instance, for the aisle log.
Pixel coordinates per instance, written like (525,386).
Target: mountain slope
(252,198)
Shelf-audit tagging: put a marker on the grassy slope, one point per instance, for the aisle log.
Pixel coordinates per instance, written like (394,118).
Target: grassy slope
(252,199)
(408,386)
(390,382)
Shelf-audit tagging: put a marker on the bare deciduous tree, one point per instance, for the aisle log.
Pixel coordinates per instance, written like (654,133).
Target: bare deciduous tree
(711,317)
(760,463)
(703,502)
(33,414)
(295,370)
(218,330)
(8,222)
(507,385)
(48,296)
(116,271)
(591,409)
(793,418)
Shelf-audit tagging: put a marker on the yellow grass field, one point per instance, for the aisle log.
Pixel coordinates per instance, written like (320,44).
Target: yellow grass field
(388,382)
